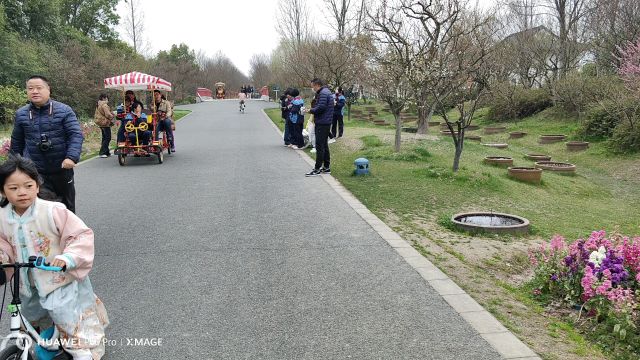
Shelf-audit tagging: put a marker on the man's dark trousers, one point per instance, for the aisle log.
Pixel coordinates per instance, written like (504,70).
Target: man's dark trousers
(322,146)
(63,185)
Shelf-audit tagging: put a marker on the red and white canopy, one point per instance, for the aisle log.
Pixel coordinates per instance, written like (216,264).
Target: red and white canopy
(137,81)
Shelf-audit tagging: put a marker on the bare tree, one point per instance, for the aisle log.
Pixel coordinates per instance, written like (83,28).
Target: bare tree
(341,15)
(293,20)
(133,23)
(567,20)
(452,56)
(389,79)
(611,24)
(260,72)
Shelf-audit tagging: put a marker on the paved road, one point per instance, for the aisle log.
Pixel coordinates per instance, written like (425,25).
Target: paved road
(226,251)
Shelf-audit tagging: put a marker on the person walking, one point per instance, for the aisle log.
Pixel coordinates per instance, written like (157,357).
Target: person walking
(337,126)
(323,117)
(48,132)
(104,119)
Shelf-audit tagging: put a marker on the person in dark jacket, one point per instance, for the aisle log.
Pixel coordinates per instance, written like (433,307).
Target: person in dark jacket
(284,105)
(323,117)
(296,119)
(337,126)
(130,104)
(48,132)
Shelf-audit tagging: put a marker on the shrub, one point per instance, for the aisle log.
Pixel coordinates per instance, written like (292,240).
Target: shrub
(11,98)
(625,138)
(600,122)
(577,92)
(513,102)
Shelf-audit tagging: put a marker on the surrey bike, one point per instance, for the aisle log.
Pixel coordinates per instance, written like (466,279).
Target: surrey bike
(24,342)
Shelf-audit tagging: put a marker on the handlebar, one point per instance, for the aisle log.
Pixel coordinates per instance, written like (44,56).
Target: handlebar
(38,262)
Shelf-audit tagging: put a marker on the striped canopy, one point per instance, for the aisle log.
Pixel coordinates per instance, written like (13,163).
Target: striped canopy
(136,81)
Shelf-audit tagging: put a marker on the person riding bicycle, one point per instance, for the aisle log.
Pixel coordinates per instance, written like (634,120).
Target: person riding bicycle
(164,112)
(136,118)
(31,226)
(242,97)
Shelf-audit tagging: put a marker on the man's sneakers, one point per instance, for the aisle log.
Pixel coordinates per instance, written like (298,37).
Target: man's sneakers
(313,150)
(314,172)
(104,156)
(331,141)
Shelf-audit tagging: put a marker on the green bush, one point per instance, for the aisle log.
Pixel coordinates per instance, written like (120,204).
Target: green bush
(626,138)
(514,102)
(577,92)
(11,98)
(600,122)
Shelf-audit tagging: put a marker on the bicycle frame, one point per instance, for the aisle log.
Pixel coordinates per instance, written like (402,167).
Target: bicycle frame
(25,337)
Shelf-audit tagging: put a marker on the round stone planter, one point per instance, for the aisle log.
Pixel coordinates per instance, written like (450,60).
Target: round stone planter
(473,127)
(577,145)
(565,168)
(497,146)
(434,123)
(473,137)
(517,134)
(445,132)
(527,174)
(490,222)
(494,130)
(538,157)
(549,139)
(498,160)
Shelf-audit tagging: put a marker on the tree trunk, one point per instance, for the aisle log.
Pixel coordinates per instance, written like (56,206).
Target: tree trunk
(398,131)
(456,158)
(422,120)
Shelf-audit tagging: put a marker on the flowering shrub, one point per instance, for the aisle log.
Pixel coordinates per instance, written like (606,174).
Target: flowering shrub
(5,146)
(600,274)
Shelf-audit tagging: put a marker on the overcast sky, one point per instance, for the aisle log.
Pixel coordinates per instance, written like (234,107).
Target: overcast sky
(239,28)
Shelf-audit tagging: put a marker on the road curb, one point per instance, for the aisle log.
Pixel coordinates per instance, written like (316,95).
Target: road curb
(488,327)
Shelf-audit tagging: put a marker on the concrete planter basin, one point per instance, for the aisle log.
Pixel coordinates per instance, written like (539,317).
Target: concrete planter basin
(494,130)
(538,157)
(556,167)
(550,139)
(490,222)
(517,134)
(526,174)
(497,146)
(499,161)
(577,145)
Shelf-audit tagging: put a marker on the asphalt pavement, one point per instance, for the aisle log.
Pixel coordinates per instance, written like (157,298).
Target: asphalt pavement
(226,251)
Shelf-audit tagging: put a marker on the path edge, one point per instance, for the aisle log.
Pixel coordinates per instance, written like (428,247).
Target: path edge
(488,327)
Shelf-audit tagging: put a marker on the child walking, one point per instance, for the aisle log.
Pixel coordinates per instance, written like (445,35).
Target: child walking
(30,226)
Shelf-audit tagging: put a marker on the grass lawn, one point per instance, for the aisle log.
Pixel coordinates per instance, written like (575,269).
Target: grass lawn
(415,192)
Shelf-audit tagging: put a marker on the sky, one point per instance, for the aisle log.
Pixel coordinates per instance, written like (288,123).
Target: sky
(238,28)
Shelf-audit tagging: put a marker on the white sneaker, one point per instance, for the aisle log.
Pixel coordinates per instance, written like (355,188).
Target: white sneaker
(313,151)
(331,141)
(103,156)
(295,147)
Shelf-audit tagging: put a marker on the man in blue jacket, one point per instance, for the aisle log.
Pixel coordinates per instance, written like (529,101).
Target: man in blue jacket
(48,132)
(323,117)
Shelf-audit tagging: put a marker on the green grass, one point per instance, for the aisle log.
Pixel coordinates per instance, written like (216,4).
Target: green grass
(418,180)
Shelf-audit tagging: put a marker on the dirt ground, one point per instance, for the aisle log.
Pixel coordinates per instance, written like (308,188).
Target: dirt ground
(487,268)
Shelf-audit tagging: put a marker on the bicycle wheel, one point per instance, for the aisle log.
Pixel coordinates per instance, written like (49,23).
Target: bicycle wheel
(12,352)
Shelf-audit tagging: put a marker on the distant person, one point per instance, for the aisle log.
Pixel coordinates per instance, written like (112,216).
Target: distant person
(48,132)
(164,122)
(129,102)
(284,105)
(296,119)
(323,117)
(337,125)
(104,119)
